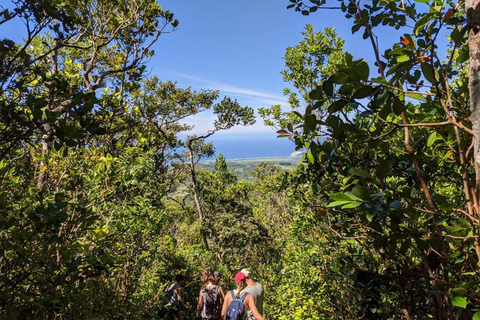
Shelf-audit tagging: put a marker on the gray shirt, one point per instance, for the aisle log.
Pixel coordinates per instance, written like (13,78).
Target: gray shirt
(257,292)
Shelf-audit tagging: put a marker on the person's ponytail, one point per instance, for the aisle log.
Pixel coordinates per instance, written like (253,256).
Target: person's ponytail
(240,286)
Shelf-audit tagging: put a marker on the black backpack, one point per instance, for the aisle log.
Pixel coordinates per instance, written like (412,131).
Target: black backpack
(211,302)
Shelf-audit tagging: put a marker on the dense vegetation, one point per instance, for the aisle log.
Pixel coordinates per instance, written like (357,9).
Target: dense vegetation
(102,202)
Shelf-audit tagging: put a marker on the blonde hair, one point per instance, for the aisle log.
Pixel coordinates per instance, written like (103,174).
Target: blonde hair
(240,286)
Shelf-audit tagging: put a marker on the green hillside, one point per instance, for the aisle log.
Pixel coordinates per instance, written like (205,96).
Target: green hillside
(243,167)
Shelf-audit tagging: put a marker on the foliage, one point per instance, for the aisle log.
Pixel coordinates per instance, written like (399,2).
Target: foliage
(396,154)
(89,158)
(102,202)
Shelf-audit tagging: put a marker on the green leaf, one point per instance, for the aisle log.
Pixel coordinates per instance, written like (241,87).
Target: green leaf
(398,106)
(430,73)
(340,78)
(346,89)
(476,316)
(360,173)
(469,284)
(456,36)
(337,105)
(382,169)
(311,121)
(337,203)
(431,139)
(363,70)
(370,216)
(421,23)
(340,197)
(328,88)
(363,92)
(405,246)
(463,55)
(361,192)
(416,96)
(352,205)
(310,157)
(381,97)
(458,291)
(459,302)
(315,94)
(403,58)
(352,196)
(355,28)
(352,74)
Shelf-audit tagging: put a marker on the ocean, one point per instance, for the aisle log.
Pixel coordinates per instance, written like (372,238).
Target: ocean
(250,147)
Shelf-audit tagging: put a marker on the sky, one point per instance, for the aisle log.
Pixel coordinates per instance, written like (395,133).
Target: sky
(237,47)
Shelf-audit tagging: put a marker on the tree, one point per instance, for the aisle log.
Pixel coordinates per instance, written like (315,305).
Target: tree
(410,119)
(230,114)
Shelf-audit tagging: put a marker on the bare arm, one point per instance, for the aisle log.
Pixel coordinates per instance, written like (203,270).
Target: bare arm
(178,291)
(222,295)
(253,308)
(225,306)
(200,303)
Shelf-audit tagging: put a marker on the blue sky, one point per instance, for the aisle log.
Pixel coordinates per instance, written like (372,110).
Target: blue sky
(237,47)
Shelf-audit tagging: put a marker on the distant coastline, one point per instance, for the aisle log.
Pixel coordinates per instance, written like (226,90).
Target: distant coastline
(260,159)
(243,167)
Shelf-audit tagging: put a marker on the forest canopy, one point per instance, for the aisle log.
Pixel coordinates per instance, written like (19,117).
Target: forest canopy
(103,199)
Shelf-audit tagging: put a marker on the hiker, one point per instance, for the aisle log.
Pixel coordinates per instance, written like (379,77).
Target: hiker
(174,298)
(256,290)
(238,302)
(210,298)
(217,277)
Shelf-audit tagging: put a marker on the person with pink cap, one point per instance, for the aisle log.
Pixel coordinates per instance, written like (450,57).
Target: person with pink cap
(237,302)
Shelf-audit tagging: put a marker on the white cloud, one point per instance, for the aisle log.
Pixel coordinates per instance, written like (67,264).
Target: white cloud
(258,97)
(203,122)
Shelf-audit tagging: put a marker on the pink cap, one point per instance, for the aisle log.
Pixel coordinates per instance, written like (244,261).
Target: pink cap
(239,277)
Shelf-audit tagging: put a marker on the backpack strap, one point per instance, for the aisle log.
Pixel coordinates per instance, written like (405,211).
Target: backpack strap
(231,293)
(244,296)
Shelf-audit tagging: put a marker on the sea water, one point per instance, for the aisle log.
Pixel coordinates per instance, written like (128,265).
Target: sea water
(236,147)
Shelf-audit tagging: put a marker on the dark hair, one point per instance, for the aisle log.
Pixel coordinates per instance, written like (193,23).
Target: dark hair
(179,277)
(208,277)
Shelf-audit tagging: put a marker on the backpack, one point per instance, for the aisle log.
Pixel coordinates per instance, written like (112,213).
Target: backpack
(211,302)
(236,309)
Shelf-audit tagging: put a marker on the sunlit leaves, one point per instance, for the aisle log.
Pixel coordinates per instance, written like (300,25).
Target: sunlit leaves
(459,302)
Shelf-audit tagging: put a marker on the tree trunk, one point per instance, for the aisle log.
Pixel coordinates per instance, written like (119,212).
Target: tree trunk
(196,196)
(473,18)
(473,22)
